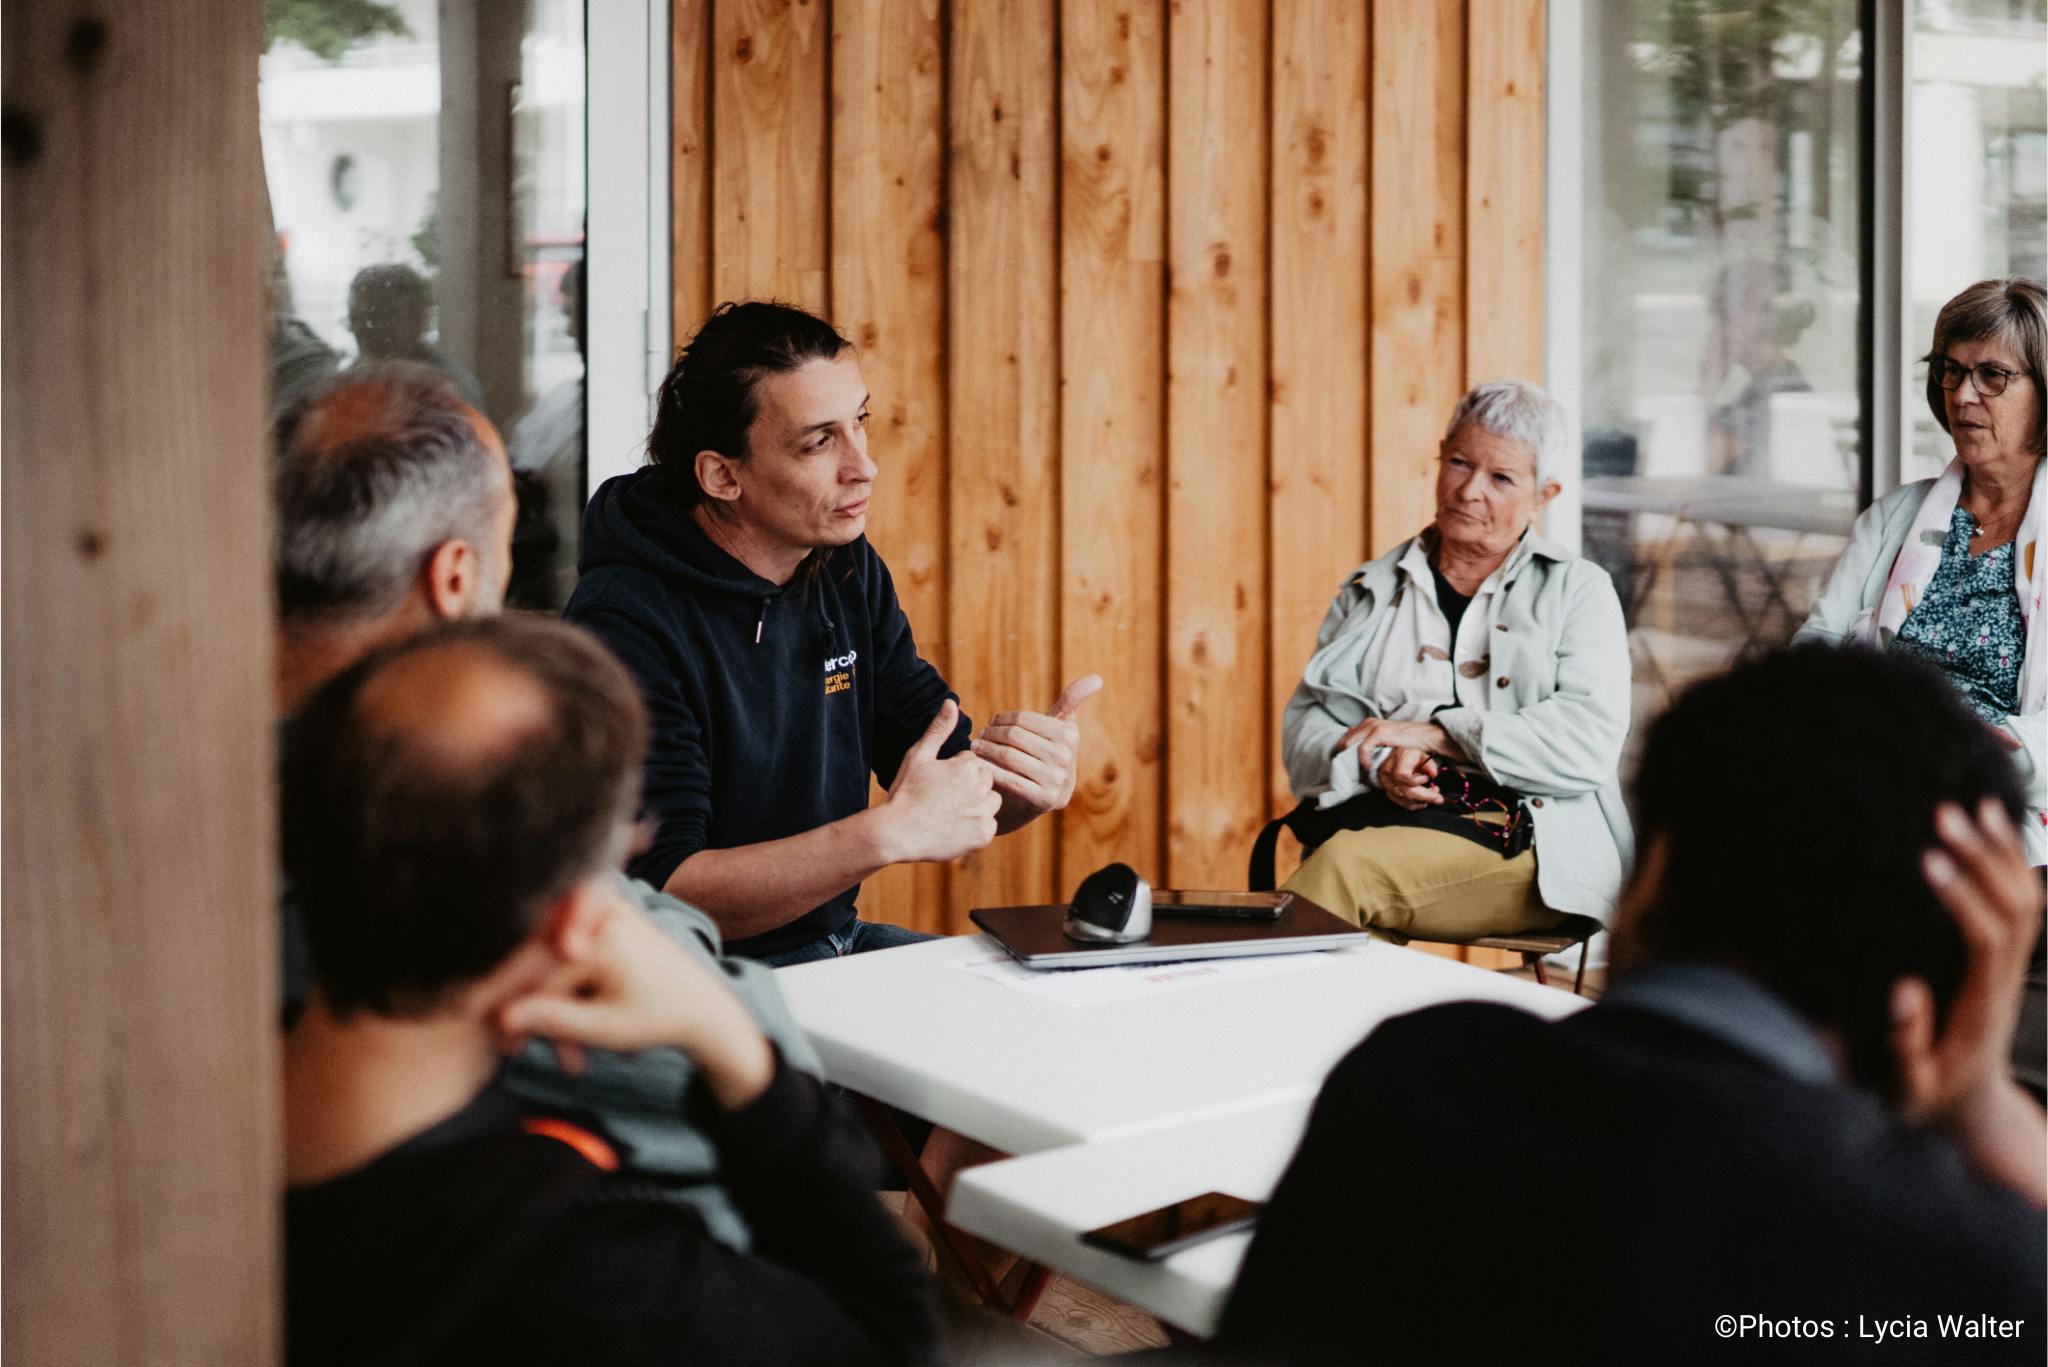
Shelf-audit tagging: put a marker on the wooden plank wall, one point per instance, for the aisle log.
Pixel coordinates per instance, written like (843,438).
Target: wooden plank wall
(142,1125)
(1163,304)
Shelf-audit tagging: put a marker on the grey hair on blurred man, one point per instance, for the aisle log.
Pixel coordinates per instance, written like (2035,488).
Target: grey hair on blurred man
(394,513)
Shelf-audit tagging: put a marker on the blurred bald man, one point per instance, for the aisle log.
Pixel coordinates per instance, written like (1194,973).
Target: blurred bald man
(455,809)
(395,511)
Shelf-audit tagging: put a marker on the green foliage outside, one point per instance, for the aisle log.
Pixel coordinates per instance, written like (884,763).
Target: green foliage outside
(328,28)
(1718,54)
(1720,62)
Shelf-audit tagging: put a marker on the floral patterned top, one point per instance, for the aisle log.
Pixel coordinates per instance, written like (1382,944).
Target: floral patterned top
(1969,623)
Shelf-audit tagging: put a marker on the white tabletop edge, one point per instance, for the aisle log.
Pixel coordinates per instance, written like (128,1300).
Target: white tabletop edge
(983,1116)
(1187,1291)
(1039,1204)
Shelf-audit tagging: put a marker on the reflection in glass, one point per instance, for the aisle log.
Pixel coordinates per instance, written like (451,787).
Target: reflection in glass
(425,166)
(1720,302)
(1977,139)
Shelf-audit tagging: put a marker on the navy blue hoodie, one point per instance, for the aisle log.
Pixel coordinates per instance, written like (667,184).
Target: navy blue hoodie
(769,704)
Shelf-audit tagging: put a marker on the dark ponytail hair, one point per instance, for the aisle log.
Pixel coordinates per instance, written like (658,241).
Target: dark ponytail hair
(707,399)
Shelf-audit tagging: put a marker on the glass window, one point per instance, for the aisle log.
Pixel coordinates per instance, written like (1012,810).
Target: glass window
(1977,139)
(425,167)
(1719,300)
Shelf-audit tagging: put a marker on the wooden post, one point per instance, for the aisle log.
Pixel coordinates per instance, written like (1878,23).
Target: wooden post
(1418,257)
(1216,429)
(1002,363)
(889,298)
(142,1170)
(1112,503)
(1321,92)
(770,185)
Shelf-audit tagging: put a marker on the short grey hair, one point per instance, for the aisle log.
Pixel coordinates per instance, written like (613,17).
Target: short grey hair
(1518,411)
(374,472)
(2013,310)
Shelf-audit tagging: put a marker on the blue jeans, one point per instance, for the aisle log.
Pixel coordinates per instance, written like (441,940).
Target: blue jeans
(858,938)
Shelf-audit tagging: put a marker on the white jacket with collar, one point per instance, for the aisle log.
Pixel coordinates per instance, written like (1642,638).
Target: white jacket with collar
(1845,605)
(1555,719)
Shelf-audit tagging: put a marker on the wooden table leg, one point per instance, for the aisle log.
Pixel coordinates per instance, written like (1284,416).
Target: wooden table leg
(955,1242)
(1037,1277)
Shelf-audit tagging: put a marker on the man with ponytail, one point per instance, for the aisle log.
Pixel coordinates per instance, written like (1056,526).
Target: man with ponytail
(732,576)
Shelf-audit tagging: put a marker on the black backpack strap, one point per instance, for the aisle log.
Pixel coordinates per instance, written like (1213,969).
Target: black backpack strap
(1259,877)
(1312,825)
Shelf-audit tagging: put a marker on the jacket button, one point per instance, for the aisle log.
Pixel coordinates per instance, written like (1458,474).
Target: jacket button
(1500,626)
(1535,802)
(1501,682)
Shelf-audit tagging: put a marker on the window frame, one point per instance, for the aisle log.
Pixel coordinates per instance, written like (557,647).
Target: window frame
(627,240)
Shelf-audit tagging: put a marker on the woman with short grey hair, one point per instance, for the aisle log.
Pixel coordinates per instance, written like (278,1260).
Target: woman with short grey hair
(1456,734)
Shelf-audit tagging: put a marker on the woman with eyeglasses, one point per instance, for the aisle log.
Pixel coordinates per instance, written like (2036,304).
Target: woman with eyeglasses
(1454,738)
(1950,569)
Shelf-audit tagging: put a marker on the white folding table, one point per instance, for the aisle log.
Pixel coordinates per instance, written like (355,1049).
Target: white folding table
(1111,1082)
(1038,1205)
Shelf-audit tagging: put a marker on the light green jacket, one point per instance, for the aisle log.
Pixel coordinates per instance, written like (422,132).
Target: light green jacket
(651,1101)
(1552,729)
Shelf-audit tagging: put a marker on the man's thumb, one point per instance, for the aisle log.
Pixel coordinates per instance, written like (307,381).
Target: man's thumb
(1074,694)
(934,736)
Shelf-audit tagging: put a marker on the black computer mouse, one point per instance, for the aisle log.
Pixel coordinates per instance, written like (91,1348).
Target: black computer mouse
(1113,906)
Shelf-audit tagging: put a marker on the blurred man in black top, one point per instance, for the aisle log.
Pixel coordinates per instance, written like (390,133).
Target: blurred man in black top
(454,807)
(1786,1134)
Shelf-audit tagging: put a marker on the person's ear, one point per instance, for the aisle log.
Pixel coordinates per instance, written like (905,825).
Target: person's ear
(718,476)
(577,918)
(1550,489)
(1911,1038)
(454,574)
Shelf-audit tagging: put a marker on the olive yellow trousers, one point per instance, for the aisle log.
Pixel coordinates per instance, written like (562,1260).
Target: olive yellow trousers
(1409,882)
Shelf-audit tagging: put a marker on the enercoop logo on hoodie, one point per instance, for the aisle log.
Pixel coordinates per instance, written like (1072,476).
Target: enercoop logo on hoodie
(839,672)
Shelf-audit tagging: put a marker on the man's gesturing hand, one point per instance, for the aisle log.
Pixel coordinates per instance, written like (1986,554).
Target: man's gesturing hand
(939,809)
(1034,754)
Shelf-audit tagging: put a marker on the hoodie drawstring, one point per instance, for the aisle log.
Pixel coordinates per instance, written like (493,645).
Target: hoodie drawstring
(824,620)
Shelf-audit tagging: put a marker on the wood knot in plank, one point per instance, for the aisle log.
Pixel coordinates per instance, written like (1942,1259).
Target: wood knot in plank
(21,135)
(85,45)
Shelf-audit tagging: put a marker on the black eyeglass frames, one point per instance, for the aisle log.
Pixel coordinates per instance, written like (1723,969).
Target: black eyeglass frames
(1990,380)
